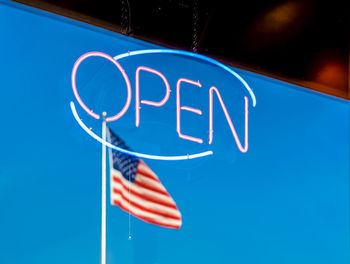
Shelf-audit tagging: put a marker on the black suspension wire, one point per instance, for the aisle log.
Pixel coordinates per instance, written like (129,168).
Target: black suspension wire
(195,25)
(125,17)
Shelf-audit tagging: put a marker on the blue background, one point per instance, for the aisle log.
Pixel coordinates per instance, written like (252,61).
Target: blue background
(284,201)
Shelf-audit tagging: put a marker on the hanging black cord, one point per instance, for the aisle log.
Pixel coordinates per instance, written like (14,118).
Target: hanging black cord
(195,24)
(125,17)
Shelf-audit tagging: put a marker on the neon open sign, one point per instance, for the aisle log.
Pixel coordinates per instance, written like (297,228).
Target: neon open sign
(213,91)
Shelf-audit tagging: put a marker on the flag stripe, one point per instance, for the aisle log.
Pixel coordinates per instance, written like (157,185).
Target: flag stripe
(120,185)
(148,205)
(141,170)
(141,190)
(171,224)
(143,166)
(150,187)
(144,208)
(145,197)
(149,181)
(143,213)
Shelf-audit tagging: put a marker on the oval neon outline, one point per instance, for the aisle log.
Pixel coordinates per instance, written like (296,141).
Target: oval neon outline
(132,153)
(193,55)
(120,68)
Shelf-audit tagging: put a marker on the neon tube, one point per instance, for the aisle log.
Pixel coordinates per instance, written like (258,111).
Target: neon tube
(125,76)
(137,92)
(234,133)
(192,55)
(132,153)
(190,109)
(178,110)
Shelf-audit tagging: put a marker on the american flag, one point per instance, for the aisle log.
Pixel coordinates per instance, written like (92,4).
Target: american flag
(136,189)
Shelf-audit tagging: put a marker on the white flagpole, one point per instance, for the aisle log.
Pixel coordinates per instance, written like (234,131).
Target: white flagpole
(103,200)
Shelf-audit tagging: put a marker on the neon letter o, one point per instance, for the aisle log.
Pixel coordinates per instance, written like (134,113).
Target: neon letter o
(75,91)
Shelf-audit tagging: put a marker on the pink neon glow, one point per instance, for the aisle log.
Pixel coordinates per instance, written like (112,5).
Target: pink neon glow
(194,110)
(234,133)
(75,91)
(137,92)
(179,108)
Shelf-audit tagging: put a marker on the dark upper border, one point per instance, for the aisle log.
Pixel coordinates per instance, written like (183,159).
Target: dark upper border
(65,12)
